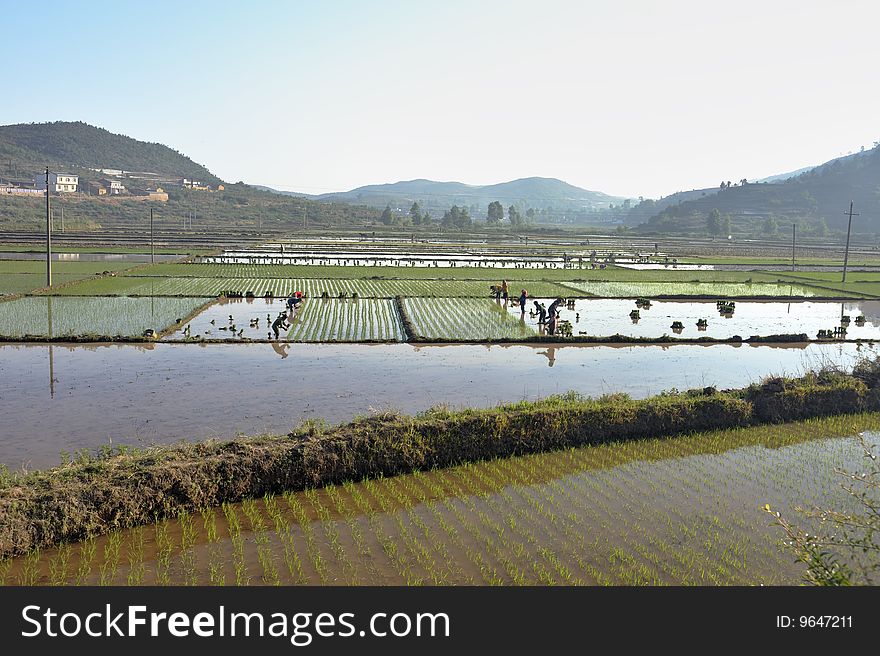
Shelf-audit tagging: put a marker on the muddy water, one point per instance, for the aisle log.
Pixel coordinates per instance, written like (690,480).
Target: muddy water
(605,317)
(674,511)
(63,398)
(235,318)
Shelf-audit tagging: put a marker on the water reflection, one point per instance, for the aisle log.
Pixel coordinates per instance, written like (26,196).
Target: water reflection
(550,353)
(145,393)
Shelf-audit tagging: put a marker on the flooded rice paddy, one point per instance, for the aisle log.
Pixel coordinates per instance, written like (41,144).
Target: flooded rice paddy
(316,320)
(682,511)
(58,398)
(604,317)
(618,289)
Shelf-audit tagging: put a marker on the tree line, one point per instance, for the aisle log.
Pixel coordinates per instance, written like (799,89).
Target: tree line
(458,217)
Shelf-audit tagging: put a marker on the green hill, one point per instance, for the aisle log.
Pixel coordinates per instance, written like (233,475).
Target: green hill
(27,148)
(812,199)
(554,197)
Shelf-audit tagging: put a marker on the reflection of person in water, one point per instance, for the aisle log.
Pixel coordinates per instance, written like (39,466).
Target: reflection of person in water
(281,348)
(550,353)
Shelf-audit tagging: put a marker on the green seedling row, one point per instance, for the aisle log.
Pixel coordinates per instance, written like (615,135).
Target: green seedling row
(312,287)
(48,316)
(463,319)
(346,321)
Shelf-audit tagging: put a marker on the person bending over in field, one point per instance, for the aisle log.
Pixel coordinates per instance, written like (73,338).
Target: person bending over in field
(280,324)
(553,315)
(294,300)
(542,313)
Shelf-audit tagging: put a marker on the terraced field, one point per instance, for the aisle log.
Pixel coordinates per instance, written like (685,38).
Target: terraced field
(103,316)
(463,319)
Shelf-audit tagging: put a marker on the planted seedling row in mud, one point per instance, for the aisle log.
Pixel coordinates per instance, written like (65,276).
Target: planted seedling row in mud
(464,319)
(86,316)
(315,320)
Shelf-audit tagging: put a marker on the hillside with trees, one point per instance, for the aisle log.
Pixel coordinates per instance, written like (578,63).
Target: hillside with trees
(814,200)
(27,148)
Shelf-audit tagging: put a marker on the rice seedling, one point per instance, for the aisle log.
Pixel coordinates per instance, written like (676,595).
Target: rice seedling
(261,537)
(59,565)
(137,569)
(305,523)
(187,548)
(86,557)
(417,562)
(110,565)
(164,549)
(234,529)
(30,568)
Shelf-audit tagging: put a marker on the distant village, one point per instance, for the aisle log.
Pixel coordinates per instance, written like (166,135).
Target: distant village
(132,185)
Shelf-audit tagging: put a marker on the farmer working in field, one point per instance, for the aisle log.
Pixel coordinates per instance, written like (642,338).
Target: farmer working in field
(553,315)
(294,300)
(280,324)
(542,313)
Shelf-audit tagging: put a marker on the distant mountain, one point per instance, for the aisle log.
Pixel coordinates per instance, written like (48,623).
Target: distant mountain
(26,148)
(779,177)
(436,197)
(816,197)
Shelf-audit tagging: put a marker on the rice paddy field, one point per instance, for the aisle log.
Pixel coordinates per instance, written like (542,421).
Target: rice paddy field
(313,287)
(682,510)
(317,320)
(605,317)
(719,289)
(463,319)
(23,276)
(679,511)
(48,316)
(445,303)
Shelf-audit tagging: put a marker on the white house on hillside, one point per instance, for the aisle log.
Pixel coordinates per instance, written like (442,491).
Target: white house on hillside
(59,183)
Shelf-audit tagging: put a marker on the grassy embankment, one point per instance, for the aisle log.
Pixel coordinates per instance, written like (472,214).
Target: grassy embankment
(95,495)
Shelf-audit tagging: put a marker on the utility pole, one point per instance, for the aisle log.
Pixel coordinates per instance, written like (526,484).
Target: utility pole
(848,229)
(793,233)
(48,234)
(304,218)
(62,218)
(152,250)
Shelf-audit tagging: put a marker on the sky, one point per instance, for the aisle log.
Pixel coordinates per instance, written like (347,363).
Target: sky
(633,98)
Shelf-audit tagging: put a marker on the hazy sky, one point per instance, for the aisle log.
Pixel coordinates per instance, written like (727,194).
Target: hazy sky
(630,98)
